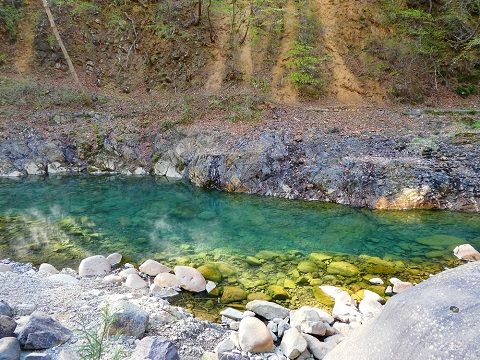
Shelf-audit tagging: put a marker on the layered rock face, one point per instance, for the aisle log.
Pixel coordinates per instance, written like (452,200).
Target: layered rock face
(368,171)
(437,319)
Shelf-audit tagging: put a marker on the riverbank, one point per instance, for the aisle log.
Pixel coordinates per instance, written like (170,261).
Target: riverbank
(395,159)
(76,301)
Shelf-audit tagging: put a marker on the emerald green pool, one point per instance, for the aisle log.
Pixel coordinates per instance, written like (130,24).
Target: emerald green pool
(60,219)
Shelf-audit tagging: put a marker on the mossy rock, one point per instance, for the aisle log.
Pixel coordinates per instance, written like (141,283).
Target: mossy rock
(342,268)
(278,292)
(252,260)
(322,297)
(302,280)
(268,255)
(233,294)
(382,269)
(378,289)
(289,284)
(315,282)
(210,272)
(217,292)
(183,260)
(329,278)
(307,266)
(440,241)
(259,296)
(319,257)
(227,270)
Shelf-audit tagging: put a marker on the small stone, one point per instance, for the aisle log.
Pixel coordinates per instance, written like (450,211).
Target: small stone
(167,280)
(252,260)
(124,273)
(63,279)
(225,345)
(293,343)
(163,292)
(232,313)
(389,290)
(9,349)
(134,281)
(47,268)
(96,265)
(153,268)
(155,347)
(345,313)
(7,326)
(376,281)
(254,336)
(190,278)
(42,332)
(5,309)
(466,252)
(112,279)
(38,356)
(318,349)
(267,309)
(401,286)
(128,319)
(24,309)
(311,320)
(5,268)
(258,296)
(210,286)
(114,259)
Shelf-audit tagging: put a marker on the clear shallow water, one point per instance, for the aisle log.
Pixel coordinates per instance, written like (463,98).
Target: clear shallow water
(61,219)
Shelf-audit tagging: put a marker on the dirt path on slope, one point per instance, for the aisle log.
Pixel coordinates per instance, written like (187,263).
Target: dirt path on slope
(345,85)
(24,49)
(282,89)
(217,67)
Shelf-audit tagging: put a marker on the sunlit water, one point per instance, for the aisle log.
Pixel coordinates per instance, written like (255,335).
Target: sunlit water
(142,217)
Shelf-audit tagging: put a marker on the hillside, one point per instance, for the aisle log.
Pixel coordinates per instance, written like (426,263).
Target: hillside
(286,51)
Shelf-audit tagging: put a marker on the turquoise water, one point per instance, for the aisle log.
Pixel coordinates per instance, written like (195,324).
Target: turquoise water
(145,216)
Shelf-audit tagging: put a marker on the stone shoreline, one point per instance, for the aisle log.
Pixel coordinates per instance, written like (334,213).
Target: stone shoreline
(374,171)
(145,326)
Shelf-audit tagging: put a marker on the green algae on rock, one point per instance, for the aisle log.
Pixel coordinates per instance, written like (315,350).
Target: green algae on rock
(233,294)
(210,272)
(342,268)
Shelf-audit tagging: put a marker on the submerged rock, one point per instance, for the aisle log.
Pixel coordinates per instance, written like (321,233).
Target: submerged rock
(232,294)
(342,268)
(278,292)
(254,336)
(210,272)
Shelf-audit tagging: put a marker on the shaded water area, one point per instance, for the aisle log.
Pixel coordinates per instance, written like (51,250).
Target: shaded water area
(252,242)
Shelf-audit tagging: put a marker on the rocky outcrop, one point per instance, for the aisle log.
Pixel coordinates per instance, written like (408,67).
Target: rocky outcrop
(374,171)
(443,313)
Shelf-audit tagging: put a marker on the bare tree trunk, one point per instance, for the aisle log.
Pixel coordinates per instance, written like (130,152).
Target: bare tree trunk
(62,46)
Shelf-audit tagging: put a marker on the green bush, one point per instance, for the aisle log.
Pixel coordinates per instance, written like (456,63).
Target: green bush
(466,90)
(10,15)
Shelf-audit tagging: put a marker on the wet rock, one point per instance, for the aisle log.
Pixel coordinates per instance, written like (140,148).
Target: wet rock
(155,348)
(48,269)
(254,336)
(267,309)
(167,280)
(9,348)
(466,252)
(319,257)
(42,332)
(96,265)
(134,281)
(128,319)
(114,259)
(376,281)
(153,268)
(342,268)
(191,279)
(307,267)
(252,260)
(7,326)
(322,297)
(5,309)
(233,294)
(258,296)
(293,343)
(278,292)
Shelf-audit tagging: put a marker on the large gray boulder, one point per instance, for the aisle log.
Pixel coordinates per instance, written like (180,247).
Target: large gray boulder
(9,349)
(437,319)
(5,309)
(42,332)
(7,326)
(128,319)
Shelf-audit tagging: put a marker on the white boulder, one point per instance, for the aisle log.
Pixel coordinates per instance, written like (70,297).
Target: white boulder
(153,268)
(293,343)
(96,265)
(466,252)
(190,278)
(254,336)
(134,281)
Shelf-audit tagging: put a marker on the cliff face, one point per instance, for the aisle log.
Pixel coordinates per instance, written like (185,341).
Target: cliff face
(375,171)
(352,52)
